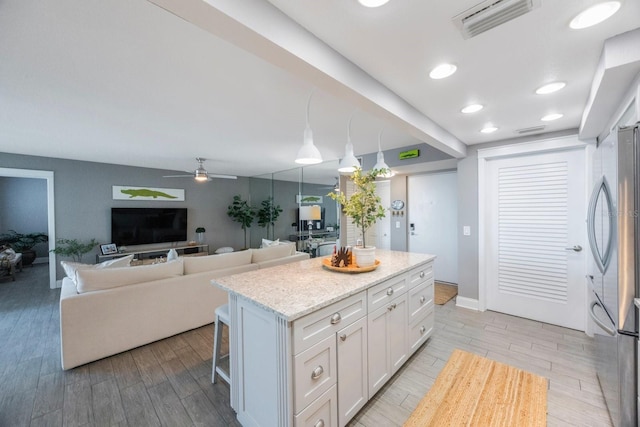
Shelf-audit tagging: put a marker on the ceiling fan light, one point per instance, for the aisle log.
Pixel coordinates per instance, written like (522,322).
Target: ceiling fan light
(308,153)
(201,175)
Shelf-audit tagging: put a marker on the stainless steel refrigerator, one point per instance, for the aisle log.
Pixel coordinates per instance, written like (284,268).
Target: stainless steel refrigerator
(613,238)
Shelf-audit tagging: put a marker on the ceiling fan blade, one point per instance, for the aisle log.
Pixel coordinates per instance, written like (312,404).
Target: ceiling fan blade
(213,175)
(178,176)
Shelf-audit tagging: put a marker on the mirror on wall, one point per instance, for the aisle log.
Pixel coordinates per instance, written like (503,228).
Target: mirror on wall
(293,193)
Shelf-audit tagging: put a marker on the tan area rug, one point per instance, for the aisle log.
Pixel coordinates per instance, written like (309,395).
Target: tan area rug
(443,293)
(475,391)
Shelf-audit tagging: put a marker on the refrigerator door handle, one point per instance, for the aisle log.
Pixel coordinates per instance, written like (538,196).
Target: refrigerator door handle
(599,322)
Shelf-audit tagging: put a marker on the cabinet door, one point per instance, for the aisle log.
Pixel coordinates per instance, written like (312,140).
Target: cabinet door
(397,331)
(353,389)
(378,349)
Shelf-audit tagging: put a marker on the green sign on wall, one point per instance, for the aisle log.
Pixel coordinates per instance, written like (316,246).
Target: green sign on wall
(410,154)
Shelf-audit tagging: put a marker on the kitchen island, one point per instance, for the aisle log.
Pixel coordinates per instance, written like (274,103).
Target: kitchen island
(309,346)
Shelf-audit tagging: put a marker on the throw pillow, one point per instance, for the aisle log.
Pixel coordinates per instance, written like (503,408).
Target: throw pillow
(266,243)
(71,268)
(8,254)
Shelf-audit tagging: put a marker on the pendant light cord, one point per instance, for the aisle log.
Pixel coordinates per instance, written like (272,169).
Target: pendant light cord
(380,136)
(309,105)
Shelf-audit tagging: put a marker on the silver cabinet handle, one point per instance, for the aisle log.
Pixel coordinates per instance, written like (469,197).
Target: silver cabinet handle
(422,274)
(422,330)
(336,318)
(390,291)
(575,248)
(317,373)
(320,423)
(422,299)
(391,307)
(343,337)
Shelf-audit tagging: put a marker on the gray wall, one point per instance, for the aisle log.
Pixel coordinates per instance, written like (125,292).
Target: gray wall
(23,207)
(83,198)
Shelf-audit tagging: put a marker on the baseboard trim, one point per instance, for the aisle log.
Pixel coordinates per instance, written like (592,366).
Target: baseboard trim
(468,303)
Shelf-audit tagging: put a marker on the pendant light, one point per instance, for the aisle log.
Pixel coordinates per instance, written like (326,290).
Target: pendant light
(349,163)
(308,153)
(380,164)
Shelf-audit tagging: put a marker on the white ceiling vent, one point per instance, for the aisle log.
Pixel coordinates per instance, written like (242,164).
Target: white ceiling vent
(531,129)
(491,13)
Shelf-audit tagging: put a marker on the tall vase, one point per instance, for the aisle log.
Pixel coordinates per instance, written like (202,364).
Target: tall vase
(364,257)
(200,238)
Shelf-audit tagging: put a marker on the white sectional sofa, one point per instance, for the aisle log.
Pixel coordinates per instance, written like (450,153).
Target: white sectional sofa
(107,309)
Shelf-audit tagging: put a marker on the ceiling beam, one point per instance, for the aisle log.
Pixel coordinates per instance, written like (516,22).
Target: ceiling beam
(260,28)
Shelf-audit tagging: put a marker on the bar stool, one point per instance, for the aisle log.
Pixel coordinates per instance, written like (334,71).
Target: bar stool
(222,318)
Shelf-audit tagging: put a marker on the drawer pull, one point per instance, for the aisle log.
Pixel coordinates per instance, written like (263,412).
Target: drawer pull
(343,337)
(422,330)
(336,318)
(320,423)
(422,299)
(391,307)
(422,274)
(390,291)
(317,373)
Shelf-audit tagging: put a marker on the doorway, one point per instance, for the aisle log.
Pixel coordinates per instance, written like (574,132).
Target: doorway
(433,221)
(532,210)
(48,176)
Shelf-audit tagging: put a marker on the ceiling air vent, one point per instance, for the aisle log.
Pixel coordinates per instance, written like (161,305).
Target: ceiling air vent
(530,130)
(491,13)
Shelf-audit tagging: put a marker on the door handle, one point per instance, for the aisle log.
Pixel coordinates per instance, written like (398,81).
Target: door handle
(599,322)
(575,248)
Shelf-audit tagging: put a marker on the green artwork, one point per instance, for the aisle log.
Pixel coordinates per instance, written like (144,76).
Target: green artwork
(409,154)
(310,199)
(145,192)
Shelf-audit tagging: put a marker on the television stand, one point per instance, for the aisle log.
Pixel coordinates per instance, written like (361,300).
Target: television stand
(140,256)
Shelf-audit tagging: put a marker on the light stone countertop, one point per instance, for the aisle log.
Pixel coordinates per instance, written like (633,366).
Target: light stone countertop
(299,288)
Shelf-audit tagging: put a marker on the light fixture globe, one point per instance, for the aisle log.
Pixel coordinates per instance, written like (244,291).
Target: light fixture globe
(380,164)
(308,154)
(594,15)
(349,163)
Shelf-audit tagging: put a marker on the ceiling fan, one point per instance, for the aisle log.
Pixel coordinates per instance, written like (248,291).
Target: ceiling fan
(201,174)
(335,187)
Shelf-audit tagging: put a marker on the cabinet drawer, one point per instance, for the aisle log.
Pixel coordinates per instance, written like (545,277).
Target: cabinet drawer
(420,274)
(314,372)
(382,293)
(420,300)
(420,330)
(321,413)
(314,327)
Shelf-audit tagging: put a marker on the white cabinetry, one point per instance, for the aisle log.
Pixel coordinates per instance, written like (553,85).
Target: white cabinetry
(321,367)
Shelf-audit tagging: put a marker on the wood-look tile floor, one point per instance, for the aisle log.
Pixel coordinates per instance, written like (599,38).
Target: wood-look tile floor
(169,382)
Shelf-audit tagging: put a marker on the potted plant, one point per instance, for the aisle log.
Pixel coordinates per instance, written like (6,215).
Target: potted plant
(364,208)
(24,243)
(268,214)
(73,248)
(241,212)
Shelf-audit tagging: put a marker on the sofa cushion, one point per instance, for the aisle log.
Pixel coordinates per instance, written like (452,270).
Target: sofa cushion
(88,280)
(198,264)
(272,252)
(70,268)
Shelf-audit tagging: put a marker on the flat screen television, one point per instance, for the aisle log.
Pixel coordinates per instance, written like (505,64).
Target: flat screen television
(140,226)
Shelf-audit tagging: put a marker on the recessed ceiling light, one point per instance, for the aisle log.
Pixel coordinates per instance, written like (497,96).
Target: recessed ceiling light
(551,117)
(488,129)
(594,15)
(442,71)
(550,88)
(373,3)
(473,108)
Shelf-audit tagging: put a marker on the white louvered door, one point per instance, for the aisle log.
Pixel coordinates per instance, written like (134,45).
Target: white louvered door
(536,216)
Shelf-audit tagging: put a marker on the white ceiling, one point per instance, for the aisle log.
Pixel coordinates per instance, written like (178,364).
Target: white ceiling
(157,83)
